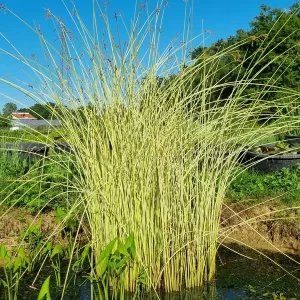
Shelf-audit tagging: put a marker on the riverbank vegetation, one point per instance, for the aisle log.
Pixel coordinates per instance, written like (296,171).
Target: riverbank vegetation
(152,155)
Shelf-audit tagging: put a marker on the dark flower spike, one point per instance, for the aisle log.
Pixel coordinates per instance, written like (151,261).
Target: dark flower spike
(48,14)
(3,7)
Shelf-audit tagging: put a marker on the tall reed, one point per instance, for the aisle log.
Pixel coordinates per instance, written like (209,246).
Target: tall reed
(153,157)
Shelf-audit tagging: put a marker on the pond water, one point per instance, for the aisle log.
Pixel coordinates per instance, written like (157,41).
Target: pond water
(237,277)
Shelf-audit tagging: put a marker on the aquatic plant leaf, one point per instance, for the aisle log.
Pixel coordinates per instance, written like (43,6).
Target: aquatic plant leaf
(123,249)
(3,252)
(130,244)
(107,251)
(112,266)
(21,252)
(17,264)
(282,145)
(101,267)
(85,252)
(59,214)
(57,250)
(121,265)
(90,278)
(45,290)
(143,277)
(4,283)
(22,255)
(76,265)
(47,248)
(282,297)
(251,289)
(129,241)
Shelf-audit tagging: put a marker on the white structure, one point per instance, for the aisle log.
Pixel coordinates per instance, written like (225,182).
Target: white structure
(22,120)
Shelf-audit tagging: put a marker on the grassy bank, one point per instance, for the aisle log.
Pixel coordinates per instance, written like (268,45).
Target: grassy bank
(258,186)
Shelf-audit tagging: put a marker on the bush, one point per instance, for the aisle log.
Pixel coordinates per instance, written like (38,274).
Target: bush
(36,186)
(4,122)
(251,184)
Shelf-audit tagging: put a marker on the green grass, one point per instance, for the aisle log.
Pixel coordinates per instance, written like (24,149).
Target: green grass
(36,184)
(42,135)
(30,182)
(259,186)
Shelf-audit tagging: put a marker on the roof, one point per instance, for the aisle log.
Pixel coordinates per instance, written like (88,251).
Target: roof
(23,115)
(33,123)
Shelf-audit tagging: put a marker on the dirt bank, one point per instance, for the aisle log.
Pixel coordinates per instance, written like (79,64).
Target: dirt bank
(269,226)
(15,222)
(272,227)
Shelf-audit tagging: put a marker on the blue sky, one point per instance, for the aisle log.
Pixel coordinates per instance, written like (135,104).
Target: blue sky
(223,17)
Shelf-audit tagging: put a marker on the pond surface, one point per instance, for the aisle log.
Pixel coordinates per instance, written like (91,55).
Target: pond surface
(237,277)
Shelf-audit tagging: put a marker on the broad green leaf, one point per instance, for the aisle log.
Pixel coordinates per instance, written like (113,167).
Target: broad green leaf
(130,245)
(76,265)
(47,248)
(57,250)
(108,249)
(45,290)
(59,214)
(85,252)
(21,253)
(251,289)
(121,265)
(123,249)
(17,264)
(112,265)
(101,267)
(143,277)
(129,241)
(3,252)
(4,283)
(83,256)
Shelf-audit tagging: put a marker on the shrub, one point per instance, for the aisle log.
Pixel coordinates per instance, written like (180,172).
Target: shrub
(39,185)
(251,184)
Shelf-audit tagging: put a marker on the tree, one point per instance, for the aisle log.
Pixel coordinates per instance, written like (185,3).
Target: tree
(40,111)
(268,52)
(8,109)
(4,122)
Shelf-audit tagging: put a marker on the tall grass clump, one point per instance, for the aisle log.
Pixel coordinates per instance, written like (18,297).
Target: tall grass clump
(153,153)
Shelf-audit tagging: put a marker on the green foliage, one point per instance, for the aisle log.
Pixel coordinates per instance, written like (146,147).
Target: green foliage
(70,223)
(114,258)
(45,290)
(40,134)
(272,43)
(35,184)
(267,295)
(34,239)
(56,257)
(251,184)
(40,111)
(4,122)
(8,109)
(82,258)
(13,267)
